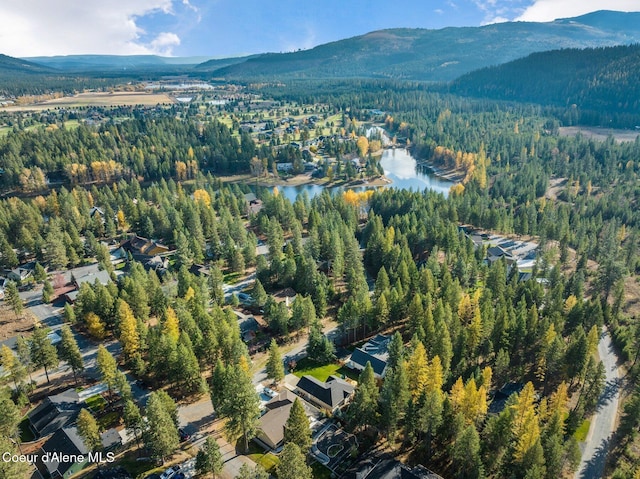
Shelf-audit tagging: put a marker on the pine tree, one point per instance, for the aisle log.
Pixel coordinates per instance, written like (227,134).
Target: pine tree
(417,371)
(466,454)
(107,366)
(240,405)
(292,464)
(88,431)
(161,436)
(364,406)
(122,385)
(43,353)
(13,469)
(396,351)
(128,326)
(70,352)
(256,473)
(525,426)
(10,417)
(297,429)
(69,314)
(132,419)
(23,351)
(258,294)
(187,367)
(12,365)
(171,326)
(47,291)
(394,398)
(13,298)
(39,273)
(209,458)
(275,366)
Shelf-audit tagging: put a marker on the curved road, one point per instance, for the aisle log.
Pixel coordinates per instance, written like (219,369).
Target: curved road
(603,421)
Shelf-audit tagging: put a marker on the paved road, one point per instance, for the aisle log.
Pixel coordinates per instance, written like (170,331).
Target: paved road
(603,422)
(51,317)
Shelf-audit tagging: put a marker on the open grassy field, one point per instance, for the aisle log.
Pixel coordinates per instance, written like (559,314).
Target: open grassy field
(97,99)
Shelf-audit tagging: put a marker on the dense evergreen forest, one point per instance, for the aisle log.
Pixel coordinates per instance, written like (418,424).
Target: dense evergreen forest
(595,86)
(399,263)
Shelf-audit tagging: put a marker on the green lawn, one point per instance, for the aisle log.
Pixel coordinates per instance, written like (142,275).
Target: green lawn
(96,403)
(267,460)
(322,371)
(582,431)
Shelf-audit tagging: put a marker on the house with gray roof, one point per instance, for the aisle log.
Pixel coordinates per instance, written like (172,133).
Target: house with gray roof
(65,444)
(54,413)
(329,395)
(374,351)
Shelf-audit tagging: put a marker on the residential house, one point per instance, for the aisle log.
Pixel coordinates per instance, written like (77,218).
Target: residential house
(95,211)
(157,263)
(54,413)
(65,444)
(139,246)
(329,395)
(495,253)
(272,422)
(101,276)
(117,255)
(374,351)
(19,274)
(388,468)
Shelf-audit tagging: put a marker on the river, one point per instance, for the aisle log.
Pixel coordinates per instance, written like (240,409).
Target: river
(399,166)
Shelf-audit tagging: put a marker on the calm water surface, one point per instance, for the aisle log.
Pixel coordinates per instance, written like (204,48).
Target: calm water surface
(399,166)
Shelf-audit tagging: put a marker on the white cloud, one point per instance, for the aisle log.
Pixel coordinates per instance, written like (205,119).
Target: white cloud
(65,27)
(439,11)
(548,10)
(497,19)
(163,44)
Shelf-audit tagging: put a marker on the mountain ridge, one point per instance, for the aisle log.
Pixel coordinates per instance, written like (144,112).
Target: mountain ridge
(437,55)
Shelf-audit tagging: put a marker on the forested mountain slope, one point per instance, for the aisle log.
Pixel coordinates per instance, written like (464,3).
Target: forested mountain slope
(600,84)
(439,55)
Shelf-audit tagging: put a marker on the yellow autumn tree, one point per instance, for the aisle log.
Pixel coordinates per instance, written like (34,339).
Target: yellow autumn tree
(129,336)
(435,377)
(363,146)
(525,428)
(171,326)
(122,221)
(95,326)
(469,399)
(417,371)
(202,196)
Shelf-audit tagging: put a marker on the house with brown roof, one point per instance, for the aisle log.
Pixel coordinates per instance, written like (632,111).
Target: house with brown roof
(272,422)
(138,245)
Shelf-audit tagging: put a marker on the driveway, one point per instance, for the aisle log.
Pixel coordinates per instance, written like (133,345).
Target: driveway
(596,447)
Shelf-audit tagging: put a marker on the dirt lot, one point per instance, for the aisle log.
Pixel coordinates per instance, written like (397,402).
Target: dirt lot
(97,99)
(10,326)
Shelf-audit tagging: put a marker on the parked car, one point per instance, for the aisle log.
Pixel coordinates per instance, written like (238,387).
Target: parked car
(269,392)
(170,473)
(184,436)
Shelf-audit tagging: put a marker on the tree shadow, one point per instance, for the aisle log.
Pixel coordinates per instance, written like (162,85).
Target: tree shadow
(594,468)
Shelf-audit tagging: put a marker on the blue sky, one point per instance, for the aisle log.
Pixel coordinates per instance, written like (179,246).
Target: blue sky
(222,28)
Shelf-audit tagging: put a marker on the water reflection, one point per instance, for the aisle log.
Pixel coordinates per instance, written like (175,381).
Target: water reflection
(399,166)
